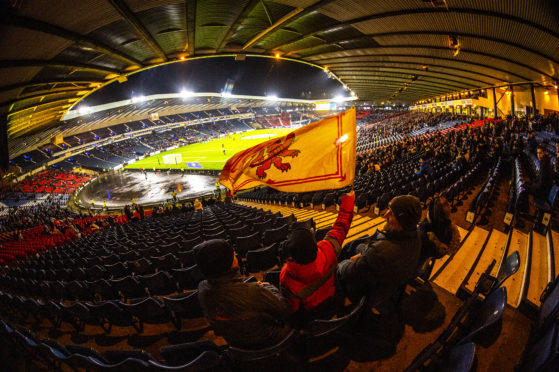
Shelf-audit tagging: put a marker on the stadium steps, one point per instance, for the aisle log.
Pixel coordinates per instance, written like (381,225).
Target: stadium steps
(494,250)
(455,270)
(516,284)
(441,261)
(555,250)
(361,225)
(539,265)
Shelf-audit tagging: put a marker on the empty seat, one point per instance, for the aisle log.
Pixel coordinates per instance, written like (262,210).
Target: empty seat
(183,306)
(159,283)
(187,278)
(128,287)
(261,259)
(147,310)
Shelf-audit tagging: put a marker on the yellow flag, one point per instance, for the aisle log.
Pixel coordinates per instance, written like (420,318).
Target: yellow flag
(318,156)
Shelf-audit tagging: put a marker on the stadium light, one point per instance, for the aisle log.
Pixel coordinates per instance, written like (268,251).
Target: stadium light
(272,97)
(339,99)
(225,94)
(140,98)
(84,110)
(186,94)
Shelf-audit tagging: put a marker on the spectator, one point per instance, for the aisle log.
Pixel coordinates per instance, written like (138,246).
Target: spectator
(307,278)
(425,167)
(197,205)
(439,236)
(544,179)
(389,259)
(247,315)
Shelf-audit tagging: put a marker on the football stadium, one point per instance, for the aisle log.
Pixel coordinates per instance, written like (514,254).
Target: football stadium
(279,185)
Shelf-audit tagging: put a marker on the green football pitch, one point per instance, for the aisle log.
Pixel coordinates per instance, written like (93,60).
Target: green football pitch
(207,155)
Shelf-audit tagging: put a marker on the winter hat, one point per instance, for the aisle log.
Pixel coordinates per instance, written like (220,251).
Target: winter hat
(301,246)
(214,257)
(407,210)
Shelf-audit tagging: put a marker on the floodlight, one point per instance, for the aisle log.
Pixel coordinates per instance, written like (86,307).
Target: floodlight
(140,98)
(272,97)
(186,93)
(84,110)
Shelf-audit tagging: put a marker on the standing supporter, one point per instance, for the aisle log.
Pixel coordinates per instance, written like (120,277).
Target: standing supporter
(246,315)
(389,259)
(439,236)
(307,278)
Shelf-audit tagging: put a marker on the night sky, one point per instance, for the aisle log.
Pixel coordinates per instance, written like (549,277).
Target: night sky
(254,76)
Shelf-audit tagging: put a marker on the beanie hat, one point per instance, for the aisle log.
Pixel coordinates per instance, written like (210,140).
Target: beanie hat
(407,210)
(301,246)
(214,257)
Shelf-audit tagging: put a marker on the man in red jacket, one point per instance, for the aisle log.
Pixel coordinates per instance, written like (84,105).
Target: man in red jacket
(307,278)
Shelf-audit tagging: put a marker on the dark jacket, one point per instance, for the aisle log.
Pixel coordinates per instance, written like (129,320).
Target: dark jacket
(246,315)
(544,180)
(387,262)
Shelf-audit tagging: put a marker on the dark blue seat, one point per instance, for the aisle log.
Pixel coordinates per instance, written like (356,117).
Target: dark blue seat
(509,267)
(207,361)
(323,327)
(183,306)
(460,359)
(160,283)
(147,310)
(128,287)
(187,278)
(180,354)
(490,311)
(239,354)
(110,314)
(261,259)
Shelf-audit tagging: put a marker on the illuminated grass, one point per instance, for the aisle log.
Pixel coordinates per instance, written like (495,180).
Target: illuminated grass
(210,154)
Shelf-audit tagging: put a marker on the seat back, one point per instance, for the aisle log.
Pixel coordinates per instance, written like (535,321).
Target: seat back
(509,267)
(490,311)
(239,354)
(322,327)
(460,358)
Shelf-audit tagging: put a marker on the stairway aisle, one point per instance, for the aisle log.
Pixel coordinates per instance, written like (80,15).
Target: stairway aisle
(555,251)
(457,268)
(539,270)
(494,250)
(441,261)
(515,284)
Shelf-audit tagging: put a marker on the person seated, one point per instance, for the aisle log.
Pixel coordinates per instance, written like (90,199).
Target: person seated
(425,167)
(439,236)
(307,278)
(246,315)
(197,205)
(390,257)
(544,179)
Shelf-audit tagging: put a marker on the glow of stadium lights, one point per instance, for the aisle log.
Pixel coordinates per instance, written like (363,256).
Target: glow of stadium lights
(186,93)
(84,110)
(339,99)
(277,55)
(272,97)
(140,98)
(546,92)
(225,94)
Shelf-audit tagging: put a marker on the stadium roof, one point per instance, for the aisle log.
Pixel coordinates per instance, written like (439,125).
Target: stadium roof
(52,53)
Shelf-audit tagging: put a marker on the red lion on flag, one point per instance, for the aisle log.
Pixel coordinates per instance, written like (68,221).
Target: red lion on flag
(273,154)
